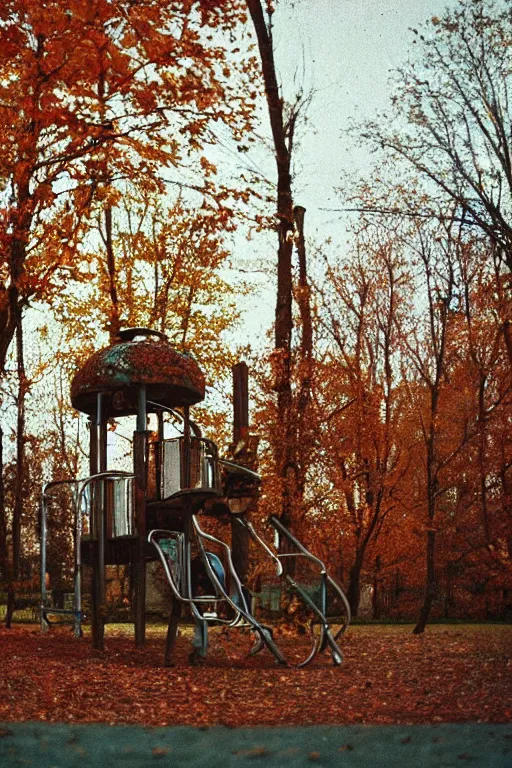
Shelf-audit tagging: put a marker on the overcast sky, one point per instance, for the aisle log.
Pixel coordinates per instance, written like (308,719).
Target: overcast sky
(345,51)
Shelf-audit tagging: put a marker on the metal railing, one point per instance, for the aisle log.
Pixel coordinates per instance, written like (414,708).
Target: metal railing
(95,510)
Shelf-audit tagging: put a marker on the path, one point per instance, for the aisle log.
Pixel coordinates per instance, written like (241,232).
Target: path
(72,746)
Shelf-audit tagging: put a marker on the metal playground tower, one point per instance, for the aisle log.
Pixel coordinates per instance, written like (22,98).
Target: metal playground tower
(156,511)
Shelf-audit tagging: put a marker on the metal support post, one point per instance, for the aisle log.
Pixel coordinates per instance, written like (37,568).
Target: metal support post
(77,602)
(239,534)
(139,467)
(44,598)
(97,457)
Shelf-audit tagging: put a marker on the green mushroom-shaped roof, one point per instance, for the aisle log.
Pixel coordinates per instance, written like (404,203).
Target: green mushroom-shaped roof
(142,357)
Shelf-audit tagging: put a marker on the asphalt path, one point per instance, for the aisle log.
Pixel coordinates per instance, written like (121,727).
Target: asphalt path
(44,745)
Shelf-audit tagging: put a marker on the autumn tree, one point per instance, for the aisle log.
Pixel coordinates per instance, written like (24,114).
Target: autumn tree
(451,358)
(475,550)
(169,275)
(3,516)
(361,302)
(148,82)
(284,118)
(449,135)
(20,483)
(451,120)
(443,364)
(169,263)
(482,306)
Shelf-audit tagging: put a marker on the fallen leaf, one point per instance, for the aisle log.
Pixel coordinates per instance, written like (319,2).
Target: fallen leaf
(254,752)
(160,751)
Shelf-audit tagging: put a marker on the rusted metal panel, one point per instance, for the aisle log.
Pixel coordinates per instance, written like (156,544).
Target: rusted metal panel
(171,378)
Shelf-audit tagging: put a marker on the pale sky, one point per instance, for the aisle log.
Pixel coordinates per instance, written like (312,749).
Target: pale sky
(345,50)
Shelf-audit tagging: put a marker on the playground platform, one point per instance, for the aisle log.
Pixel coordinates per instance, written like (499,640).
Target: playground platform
(46,745)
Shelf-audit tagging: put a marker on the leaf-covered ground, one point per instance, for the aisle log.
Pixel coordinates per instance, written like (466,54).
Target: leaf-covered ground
(450,674)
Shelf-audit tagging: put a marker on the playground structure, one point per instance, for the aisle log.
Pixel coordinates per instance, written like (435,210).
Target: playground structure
(156,512)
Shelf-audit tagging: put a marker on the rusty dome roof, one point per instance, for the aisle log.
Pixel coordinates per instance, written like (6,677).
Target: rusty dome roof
(171,378)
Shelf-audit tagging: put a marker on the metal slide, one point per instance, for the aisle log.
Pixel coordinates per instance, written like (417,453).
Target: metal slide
(328,608)
(176,561)
(325,626)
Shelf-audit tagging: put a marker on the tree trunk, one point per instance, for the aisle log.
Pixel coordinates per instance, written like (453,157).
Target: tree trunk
(354,585)
(304,301)
(430,585)
(20,473)
(432,487)
(376,598)
(3,521)
(283,448)
(11,302)
(482,453)
(20,455)
(8,300)
(507,333)
(438,338)
(448,602)
(304,427)
(114,325)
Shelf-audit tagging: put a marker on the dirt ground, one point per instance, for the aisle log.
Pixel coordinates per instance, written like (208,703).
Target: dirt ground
(451,674)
